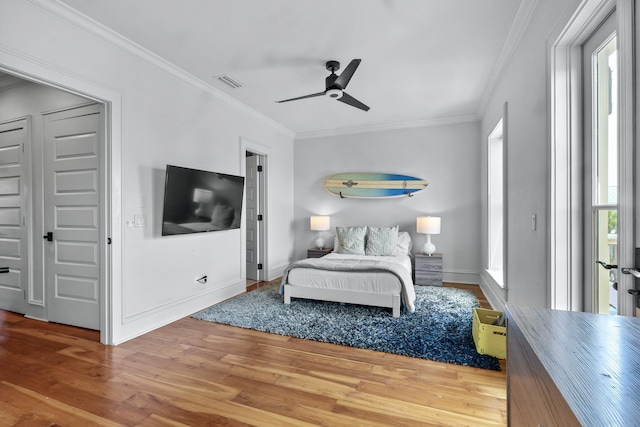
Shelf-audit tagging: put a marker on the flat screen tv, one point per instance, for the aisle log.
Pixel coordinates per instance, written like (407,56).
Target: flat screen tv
(198,201)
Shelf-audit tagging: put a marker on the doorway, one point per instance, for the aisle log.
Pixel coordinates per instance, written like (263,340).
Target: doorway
(60,196)
(255,217)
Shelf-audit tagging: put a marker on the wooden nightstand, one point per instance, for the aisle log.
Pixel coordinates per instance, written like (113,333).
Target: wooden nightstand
(428,269)
(318,253)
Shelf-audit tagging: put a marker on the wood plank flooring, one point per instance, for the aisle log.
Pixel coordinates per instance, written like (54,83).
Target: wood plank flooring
(197,373)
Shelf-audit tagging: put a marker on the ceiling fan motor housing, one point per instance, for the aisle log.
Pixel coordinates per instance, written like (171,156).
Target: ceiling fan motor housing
(334,93)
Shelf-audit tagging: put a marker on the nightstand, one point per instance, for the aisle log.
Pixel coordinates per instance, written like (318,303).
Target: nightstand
(318,253)
(428,269)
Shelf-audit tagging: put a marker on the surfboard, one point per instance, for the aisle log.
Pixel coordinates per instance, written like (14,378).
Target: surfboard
(373,185)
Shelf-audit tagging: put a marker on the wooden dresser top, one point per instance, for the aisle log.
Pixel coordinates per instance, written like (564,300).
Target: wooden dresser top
(593,359)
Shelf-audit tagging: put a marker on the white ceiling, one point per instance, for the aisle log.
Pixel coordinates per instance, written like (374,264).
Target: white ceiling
(422,60)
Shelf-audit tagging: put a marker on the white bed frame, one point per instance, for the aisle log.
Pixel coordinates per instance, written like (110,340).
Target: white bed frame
(336,295)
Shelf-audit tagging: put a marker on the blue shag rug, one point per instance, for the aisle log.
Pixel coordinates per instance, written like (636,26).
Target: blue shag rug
(439,329)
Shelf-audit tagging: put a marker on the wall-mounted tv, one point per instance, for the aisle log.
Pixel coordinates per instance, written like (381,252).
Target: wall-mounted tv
(199,201)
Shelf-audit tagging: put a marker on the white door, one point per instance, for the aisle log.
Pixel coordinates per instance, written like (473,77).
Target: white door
(252,222)
(72,215)
(601,168)
(14,230)
(608,176)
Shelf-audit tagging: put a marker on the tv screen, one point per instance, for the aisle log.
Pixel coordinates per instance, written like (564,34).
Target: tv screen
(199,201)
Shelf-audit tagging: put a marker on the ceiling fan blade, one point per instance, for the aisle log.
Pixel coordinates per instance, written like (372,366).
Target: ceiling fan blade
(303,97)
(350,100)
(343,79)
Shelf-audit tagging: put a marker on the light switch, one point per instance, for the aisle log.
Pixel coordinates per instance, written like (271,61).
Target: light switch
(139,221)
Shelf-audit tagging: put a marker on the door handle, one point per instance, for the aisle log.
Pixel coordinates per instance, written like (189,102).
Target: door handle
(632,271)
(48,236)
(607,266)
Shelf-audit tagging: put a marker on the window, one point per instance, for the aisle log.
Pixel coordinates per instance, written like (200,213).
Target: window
(496,206)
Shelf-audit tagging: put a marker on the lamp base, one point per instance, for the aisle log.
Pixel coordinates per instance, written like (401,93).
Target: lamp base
(429,248)
(320,243)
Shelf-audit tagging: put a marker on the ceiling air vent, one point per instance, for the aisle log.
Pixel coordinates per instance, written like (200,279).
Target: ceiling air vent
(232,83)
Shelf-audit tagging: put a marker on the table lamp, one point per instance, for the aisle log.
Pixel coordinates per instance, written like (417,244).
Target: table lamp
(319,224)
(428,225)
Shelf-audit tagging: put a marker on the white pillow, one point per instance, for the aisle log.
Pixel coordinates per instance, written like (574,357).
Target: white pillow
(351,240)
(404,244)
(381,240)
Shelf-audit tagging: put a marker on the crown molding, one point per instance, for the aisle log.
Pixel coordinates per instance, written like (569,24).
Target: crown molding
(8,81)
(388,127)
(514,36)
(84,23)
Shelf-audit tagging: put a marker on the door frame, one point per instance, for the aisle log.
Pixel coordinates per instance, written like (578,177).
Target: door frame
(566,213)
(111,197)
(264,152)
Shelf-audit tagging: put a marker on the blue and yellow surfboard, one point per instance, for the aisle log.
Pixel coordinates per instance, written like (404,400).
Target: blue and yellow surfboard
(373,185)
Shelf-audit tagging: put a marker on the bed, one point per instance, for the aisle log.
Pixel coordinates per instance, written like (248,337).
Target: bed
(369,266)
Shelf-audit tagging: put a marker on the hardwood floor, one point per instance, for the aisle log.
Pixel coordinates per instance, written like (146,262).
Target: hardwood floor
(197,373)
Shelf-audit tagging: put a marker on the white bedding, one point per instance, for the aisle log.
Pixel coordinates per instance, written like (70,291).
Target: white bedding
(366,282)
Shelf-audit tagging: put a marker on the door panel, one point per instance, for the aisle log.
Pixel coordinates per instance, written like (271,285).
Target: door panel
(72,206)
(252,211)
(14,143)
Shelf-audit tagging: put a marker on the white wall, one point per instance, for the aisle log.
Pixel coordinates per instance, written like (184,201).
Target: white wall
(447,156)
(158,116)
(524,86)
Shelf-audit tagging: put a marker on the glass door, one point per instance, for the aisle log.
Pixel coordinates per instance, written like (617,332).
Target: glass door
(601,150)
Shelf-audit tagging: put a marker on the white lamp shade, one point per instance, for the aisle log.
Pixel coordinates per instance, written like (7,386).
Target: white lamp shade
(428,225)
(320,223)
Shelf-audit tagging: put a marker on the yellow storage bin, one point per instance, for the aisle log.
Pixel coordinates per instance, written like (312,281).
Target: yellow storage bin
(489,338)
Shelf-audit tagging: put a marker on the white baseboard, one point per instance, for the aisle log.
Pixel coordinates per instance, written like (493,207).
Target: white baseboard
(146,322)
(466,277)
(276,272)
(494,293)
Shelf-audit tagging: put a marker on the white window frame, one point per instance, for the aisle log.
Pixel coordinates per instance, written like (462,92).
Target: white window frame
(497,202)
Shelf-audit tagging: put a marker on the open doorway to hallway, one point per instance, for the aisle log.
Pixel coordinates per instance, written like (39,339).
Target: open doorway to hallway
(255,217)
(58,187)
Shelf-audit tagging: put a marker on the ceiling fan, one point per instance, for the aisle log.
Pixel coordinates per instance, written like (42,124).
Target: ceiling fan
(335,85)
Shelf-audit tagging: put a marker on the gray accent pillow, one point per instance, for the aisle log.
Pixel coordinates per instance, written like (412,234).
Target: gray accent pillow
(381,241)
(351,240)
